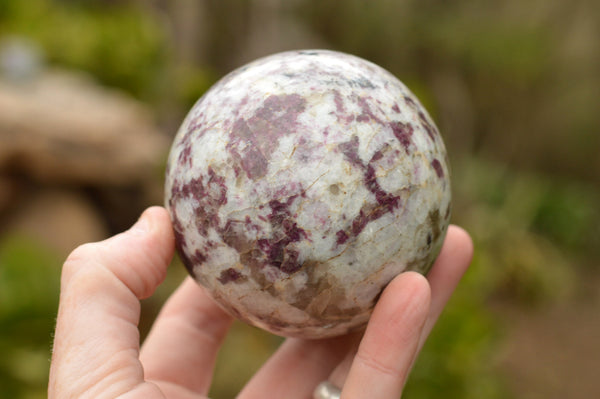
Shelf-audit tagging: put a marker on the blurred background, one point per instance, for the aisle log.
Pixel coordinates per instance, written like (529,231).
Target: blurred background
(92,92)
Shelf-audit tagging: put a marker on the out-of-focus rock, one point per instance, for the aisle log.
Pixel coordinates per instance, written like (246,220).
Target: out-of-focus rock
(20,59)
(64,128)
(8,192)
(58,219)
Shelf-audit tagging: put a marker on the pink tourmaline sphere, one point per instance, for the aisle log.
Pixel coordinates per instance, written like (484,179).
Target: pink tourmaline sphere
(301,184)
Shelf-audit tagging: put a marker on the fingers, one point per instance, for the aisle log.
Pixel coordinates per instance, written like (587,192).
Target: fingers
(390,343)
(182,346)
(450,266)
(314,359)
(297,367)
(96,343)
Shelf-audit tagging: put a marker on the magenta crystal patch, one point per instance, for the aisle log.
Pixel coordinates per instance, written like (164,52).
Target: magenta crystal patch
(301,184)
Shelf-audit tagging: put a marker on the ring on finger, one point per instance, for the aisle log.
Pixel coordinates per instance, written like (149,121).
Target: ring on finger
(326,390)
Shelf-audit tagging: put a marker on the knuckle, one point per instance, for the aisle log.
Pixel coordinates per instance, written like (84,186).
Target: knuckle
(78,259)
(374,363)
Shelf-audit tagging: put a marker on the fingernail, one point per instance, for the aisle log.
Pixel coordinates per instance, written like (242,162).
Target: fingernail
(142,226)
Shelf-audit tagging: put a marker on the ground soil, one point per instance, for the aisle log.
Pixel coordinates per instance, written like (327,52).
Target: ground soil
(553,351)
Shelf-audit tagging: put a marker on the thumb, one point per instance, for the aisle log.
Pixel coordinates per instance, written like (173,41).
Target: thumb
(96,342)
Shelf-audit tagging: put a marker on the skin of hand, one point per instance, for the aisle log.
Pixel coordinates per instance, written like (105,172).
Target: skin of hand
(96,352)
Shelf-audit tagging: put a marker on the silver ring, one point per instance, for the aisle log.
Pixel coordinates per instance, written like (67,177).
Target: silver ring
(326,390)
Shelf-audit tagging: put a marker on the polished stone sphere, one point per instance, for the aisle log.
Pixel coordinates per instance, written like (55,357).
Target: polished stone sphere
(301,184)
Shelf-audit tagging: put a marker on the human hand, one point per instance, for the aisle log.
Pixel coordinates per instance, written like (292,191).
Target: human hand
(96,350)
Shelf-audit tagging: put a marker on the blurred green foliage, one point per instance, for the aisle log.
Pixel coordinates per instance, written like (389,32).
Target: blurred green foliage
(117,44)
(533,234)
(514,87)
(29,288)
(245,349)
(457,361)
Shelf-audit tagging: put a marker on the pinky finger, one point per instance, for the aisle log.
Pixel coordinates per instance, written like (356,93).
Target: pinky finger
(389,346)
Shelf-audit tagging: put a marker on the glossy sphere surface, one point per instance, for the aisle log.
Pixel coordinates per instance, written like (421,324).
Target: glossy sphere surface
(301,184)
